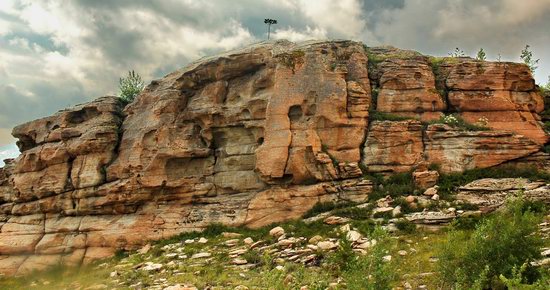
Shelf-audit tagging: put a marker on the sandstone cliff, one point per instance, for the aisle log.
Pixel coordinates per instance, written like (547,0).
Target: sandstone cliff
(251,137)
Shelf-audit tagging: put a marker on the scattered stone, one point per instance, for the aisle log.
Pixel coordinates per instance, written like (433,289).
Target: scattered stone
(149,266)
(345,228)
(189,241)
(231,235)
(286,242)
(201,255)
(145,249)
(277,232)
(353,236)
(381,210)
(396,212)
(431,191)
(407,285)
(179,287)
(256,244)
(410,198)
(279,267)
(336,220)
(315,239)
(203,240)
(113,274)
(239,261)
(425,179)
(248,241)
(241,287)
(384,202)
(402,253)
(232,243)
(435,197)
(327,245)
(387,258)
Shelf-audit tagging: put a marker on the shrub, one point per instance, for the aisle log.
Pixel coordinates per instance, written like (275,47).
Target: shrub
(322,207)
(398,184)
(527,58)
(481,55)
(370,271)
(130,87)
(405,226)
(505,240)
(457,53)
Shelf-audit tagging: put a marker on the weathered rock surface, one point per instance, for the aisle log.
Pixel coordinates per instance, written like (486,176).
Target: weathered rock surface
(251,137)
(489,193)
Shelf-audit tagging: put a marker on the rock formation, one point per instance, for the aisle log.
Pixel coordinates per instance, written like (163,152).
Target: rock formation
(251,137)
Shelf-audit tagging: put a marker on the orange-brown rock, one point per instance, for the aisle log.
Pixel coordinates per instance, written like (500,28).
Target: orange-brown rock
(250,137)
(456,150)
(408,85)
(521,123)
(425,179)
(393,146)
(471,75)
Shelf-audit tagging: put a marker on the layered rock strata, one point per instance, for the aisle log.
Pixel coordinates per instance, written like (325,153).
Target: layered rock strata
(250,137)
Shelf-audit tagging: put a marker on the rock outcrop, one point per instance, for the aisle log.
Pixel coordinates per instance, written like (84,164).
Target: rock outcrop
(250,137)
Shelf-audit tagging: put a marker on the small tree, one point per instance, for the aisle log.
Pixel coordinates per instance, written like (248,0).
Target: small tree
(269,22)
(481,55)
(527,58)
(130,86)
(457,53)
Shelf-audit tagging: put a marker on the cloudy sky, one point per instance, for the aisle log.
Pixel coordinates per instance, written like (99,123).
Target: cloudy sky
(57,53)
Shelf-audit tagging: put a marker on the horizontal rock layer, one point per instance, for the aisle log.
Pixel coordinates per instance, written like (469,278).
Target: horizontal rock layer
(250,137)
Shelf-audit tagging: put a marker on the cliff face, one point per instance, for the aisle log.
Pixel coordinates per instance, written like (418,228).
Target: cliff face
(251,137)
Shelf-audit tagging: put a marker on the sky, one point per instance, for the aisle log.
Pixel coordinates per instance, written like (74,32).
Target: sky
(59,53)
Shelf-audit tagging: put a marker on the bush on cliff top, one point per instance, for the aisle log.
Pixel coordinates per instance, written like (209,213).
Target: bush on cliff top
(130,87)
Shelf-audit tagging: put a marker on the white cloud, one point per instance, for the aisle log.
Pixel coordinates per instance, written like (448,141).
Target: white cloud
(9,151)
(293,35)
(343,18)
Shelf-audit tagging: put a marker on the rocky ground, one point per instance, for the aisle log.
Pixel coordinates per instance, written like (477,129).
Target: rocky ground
(303,254)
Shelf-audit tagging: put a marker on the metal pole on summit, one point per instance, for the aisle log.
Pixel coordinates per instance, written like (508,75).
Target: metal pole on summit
(269,22)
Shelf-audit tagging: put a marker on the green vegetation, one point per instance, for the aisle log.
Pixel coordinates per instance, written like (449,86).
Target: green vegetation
(481,55)
(370,271)
(381,116)
(292,59)
(454,120)
(130,87)
(503,241)
(457,53)
(322,207)
(396,185)
(527,57)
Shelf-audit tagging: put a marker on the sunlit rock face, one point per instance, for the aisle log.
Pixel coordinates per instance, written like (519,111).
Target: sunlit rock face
(251,137)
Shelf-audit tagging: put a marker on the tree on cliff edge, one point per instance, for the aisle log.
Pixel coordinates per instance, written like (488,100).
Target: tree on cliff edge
(130,87)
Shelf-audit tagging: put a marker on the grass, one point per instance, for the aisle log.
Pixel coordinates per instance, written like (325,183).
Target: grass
(458,122)
(501,242)
(381,116)
(322,207)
